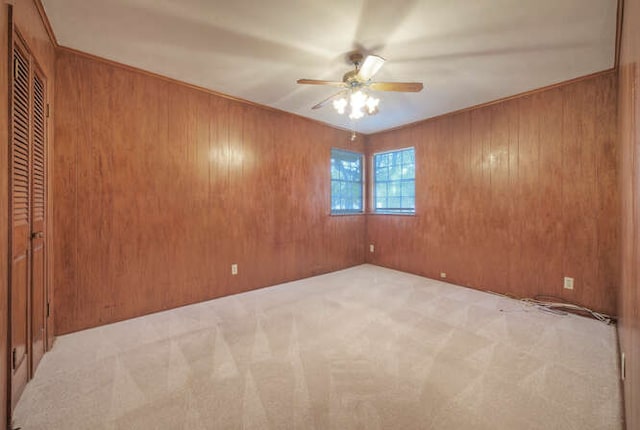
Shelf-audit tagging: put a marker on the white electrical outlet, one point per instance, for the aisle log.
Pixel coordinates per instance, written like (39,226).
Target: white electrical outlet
(568,283)
(371,248)
(234,269)
(443,275)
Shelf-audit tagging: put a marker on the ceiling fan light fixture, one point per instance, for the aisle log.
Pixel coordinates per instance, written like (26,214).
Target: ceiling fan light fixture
(340,105)
(359,103)
(356,114)
(358,99)
(372,105)
(356,85)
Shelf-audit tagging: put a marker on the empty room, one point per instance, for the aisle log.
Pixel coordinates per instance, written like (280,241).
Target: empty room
(412,214)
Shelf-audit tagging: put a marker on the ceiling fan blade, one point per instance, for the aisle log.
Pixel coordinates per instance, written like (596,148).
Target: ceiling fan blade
(319,82)
(370,67)
(403,87)
(329,99)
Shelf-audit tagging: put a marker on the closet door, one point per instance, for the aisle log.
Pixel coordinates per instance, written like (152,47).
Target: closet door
(20,223)
(38,172)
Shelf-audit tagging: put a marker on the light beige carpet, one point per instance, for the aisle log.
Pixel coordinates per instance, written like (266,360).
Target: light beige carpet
(363,348)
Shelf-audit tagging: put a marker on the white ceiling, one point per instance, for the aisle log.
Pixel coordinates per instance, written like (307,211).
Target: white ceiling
(466,52)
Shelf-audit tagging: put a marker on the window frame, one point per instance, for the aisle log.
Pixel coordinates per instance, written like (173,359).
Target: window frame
(374,182)
(343,212)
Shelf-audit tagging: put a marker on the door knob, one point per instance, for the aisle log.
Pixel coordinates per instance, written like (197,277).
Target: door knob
(37,235)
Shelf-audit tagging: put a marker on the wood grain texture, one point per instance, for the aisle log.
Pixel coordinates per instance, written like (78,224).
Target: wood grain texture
(514,196)
(160,188)
(38,218)
(25,18)
(505,99)
(184,84)
(629,297)
(29,22)
(4,212)
(46,23)
(20,226)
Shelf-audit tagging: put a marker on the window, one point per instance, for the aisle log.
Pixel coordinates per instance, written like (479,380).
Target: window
(346,182)
(394,182)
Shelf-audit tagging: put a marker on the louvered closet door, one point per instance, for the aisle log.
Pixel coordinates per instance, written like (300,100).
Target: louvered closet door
(20,222)
(38,172)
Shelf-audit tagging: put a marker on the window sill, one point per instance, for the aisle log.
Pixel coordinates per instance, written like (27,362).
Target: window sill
(392,213)
(348,214)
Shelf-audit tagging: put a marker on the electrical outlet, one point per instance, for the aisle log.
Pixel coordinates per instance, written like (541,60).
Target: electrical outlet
(622,366)
(371,248)
(568,283)
(443,275)
(234,269)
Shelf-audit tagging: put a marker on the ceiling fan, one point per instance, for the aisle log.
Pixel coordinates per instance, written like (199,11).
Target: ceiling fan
(356,84)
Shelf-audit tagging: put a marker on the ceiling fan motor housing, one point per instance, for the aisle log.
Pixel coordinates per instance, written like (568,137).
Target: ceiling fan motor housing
(356,59)
(352,79)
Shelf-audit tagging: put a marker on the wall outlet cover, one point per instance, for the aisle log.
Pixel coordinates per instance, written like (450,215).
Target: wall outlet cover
(568,283)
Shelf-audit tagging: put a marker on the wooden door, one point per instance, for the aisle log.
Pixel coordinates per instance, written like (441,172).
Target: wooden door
(38,172)
(20,223)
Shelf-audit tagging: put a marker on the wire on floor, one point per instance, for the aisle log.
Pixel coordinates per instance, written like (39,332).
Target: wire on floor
(556,307)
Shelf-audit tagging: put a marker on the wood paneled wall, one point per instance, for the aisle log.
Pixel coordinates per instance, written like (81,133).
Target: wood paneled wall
(513,197)
(629,298)
(160,188)
(4,212)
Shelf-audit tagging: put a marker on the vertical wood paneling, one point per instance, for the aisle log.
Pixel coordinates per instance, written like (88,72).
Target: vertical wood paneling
(460,144)
(551,216)
(65,186)
(579,199)
(514,208)
(476,196)
(4,211)
(629,293)
(498,166)
(513,196)
(527,252)
(162,187)
(607,210)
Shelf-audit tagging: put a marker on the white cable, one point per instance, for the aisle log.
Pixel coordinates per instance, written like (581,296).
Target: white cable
(555,306)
